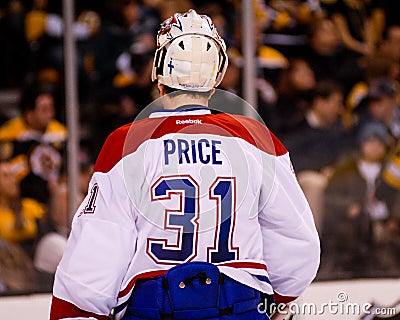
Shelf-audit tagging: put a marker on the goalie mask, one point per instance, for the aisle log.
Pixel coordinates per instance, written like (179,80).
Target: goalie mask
(190,54)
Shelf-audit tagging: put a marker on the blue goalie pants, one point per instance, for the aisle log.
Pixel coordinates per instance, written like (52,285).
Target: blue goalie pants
(195,290)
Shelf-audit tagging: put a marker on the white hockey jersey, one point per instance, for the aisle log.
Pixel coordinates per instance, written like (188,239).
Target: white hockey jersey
(187,185)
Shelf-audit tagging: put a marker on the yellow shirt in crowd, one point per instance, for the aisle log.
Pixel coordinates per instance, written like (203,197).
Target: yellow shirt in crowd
(31,212)
(17,130)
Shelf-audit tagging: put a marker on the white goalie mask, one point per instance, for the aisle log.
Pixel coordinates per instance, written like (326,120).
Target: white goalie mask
(190,53)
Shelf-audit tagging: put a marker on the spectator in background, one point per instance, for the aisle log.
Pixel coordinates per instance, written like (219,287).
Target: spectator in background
(360,23)
(17,273)
(44,32)
(127,25)
(294,88)
(318,142)
(391,173)
(50,246)
(328,59)
(389,190)
(382,105)
(41,182)
(324,46)
(19,217)
(37,141)
(59,214)
(134,64)
(121,70)
(354,224)
(391,43)
(380,66)
(269,65)
(288,23)
(36,125)
(377,67)
(321,118)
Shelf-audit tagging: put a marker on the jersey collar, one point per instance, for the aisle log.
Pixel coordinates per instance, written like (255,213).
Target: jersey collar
(181,111)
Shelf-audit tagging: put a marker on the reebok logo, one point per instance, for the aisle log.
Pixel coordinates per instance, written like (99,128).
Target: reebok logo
(188,121)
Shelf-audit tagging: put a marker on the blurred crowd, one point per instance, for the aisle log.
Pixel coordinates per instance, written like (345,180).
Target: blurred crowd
(328,75)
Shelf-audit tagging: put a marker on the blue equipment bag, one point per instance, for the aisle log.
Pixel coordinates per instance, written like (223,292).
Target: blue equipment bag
(194,290)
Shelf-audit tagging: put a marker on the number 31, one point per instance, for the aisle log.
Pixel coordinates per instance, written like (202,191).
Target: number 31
(184,220)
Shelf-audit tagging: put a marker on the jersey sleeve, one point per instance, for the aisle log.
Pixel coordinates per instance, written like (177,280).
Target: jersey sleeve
(98,253)
(291,246)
